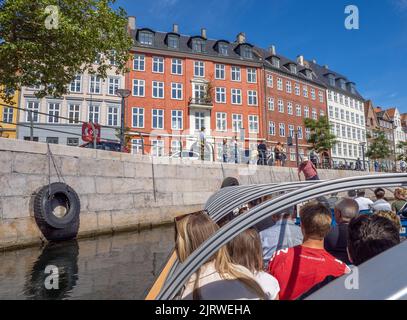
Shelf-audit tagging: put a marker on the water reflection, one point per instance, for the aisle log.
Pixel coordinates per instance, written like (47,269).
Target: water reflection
(48,283)
(122,266)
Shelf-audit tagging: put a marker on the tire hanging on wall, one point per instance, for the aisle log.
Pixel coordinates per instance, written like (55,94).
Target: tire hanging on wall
(64,226)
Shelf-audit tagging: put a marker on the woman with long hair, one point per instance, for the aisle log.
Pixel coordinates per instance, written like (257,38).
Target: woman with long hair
(246,250)
(218,278)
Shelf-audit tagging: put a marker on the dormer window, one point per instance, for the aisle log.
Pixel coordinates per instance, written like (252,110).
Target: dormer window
(293,68)
(275,62)
(223,49)
(173,42)
(146,38)
(308,74)
(331,79)
(342,84)
(198,45)
(351,87)
(247,52)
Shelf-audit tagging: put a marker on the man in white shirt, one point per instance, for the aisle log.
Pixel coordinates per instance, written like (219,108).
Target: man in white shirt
(364,203)
(381,204)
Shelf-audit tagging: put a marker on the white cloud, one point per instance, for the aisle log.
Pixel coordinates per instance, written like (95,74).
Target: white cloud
(400,4)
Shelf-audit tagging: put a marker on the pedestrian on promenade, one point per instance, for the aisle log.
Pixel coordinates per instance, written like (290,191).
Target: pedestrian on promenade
(202,143)
(308,169)
(376,166)
(235,147)
(225,150)
(278,151)
(262,151)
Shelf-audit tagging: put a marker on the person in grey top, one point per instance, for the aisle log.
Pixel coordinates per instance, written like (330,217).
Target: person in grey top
(381,204)
(282,235)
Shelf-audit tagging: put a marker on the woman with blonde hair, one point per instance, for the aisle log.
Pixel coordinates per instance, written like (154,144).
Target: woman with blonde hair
(218,278)
(246,250)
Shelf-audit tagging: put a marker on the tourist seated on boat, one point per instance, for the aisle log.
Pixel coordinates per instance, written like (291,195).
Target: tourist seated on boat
(336,241)
(369,236)
(218,278)
(299,269)
(245,250)
(393,217)
(365,204)
(282,235)
(381,203)
(400,202)
(229,182)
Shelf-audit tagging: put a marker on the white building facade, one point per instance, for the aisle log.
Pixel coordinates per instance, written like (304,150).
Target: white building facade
(399,134)
(90,99)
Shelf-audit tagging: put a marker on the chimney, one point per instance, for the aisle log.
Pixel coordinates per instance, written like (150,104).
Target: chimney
(272,50)
(131,23)
(203,33)
(326,66)
(300,60)
(241,38)
(175,28)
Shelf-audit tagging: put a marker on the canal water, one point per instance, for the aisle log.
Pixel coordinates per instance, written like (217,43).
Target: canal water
(122,266)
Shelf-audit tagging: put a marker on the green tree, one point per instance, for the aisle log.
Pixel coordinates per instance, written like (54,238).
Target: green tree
(48,46)
(321,139)
(379,148)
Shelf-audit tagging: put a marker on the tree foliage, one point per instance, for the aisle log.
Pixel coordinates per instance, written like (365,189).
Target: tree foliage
(321,138)
(380,147)
(39,46)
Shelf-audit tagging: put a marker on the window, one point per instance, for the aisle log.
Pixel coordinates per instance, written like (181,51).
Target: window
(236,96)
(136,146)
(352,117)
(300,133)
(330,95)
(199,91)
(223,49)
(272,128)
(199,69)
(138,88)
(340,149)
(349,132)
(269,81)
(236,74)
(279,84)
(291,130)
(313,96)
(34,107)
(73,113)
(247,52)
(158,119)
(139,62)
(158,65)
(157,148)
(146,38)
(343,131)
(271,104)
(290,108)
(362,120)
(198,45)
(220,95)
(176,66)
(53,112)
(307,133)
(176,91)
(331,79)
(335,97)
(358,119)
(354,133)
(112,59)
(293,68)
(176,120)
(114,84)
(253,124)
(297,89)
(305,91)
(288,86)
(298,110)
(94,113)
(158,90)
(276,62)
(76,84)
(251,75)
(282,129)
(314,114)
(113,116)
(293,156)
(280,106)
(306,112)
(331,111)
(342,115)
(237,122)
(221,123)
(220,71)
(175,146)
(8,115)
(138,118)
(199,120)
(95,84)
(252,98)
(355,151)
(72,142)
(347,116)
(52,140)
(341,98)
(173,42)
(336,113)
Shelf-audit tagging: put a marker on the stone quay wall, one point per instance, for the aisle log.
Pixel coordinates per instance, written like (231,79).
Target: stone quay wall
(118,192)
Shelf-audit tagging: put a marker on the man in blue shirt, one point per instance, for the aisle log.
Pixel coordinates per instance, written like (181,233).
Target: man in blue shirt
(282,235)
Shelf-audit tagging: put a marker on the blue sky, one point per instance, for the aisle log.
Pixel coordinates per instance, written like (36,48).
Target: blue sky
(375,56)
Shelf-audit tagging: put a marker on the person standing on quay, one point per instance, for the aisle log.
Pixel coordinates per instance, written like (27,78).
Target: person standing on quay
(202,142)
(225,150)
(309,170)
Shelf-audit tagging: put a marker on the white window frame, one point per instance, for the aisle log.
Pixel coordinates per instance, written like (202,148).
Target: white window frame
(158,65)
(252,99)
(221,121)
(141,61)
(113,112)
(178,89)
(141,86)
(199,69)
(177,116)
(220,92)
(158,85)
(251,75)
(135,113)
(54,113)
(159,115)
(178,65)
(236,93)
(236,74)
(220,71)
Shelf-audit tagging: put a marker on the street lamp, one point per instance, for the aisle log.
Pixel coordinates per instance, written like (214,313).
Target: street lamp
(363,144)
(123,93)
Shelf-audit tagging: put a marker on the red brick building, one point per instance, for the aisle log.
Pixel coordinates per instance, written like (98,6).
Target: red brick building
(182,83)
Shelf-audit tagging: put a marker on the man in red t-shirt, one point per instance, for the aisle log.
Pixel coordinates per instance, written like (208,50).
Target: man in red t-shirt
(309,170)
(299,269)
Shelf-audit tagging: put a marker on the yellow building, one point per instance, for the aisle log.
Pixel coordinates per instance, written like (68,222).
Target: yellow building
(8,118)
